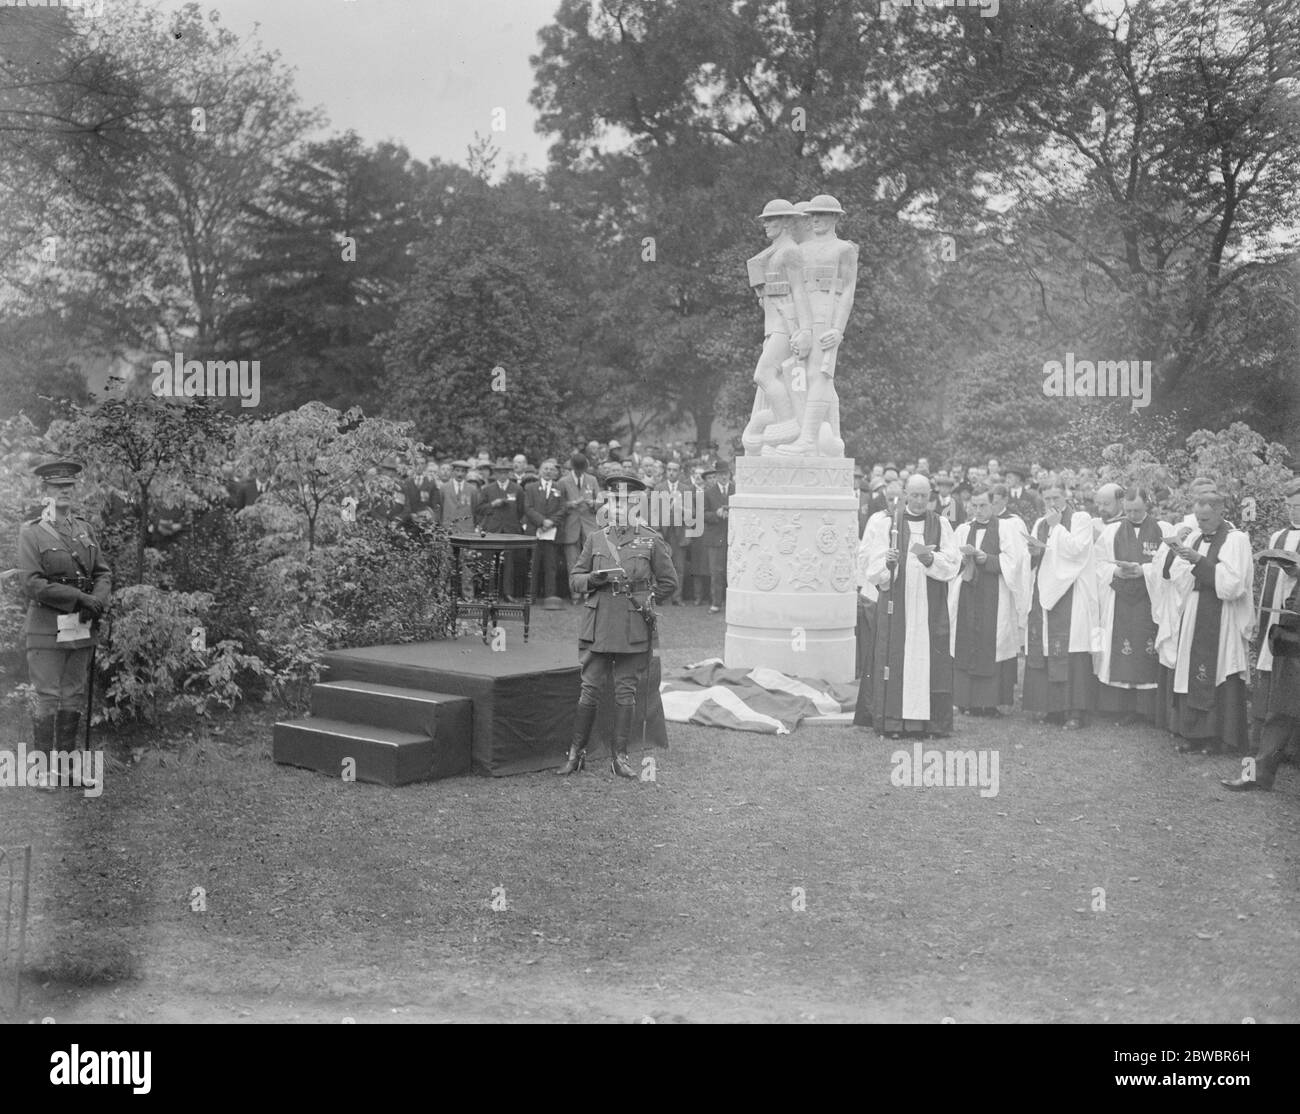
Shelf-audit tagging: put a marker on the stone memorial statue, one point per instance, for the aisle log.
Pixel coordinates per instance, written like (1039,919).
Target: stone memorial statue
(796,411)
(792,530)
(776,274)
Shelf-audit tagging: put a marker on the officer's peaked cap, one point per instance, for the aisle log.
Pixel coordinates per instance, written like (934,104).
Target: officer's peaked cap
(59,473)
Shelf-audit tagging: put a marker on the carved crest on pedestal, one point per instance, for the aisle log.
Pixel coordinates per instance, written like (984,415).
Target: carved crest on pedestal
(749,530)
(807,570)
(842,572)
(788,534)
(827,538)
(736,566)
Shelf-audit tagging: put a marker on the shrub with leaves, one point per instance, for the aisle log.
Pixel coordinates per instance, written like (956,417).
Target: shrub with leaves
(313,458)
(295,654)
(218,555)
(1108,431)
(143,454)
(21,449)
(150,665)
(387,583)
(1246,468)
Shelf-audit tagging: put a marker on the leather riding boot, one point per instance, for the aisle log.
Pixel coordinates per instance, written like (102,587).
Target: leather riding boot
(43,733)
(67,729)
(582,725)
(623,716)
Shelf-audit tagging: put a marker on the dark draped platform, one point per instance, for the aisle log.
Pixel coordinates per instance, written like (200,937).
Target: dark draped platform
(426,710)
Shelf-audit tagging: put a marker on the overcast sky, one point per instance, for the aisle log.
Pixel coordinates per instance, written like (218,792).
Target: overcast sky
(427,73)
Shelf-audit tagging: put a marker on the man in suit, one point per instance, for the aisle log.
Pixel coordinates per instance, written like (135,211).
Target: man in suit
(581,496)
(501,511)
(944,501)
(544,515)
(697,554)
(459,500)
(427,492)
(393,502)
(717,495)
(675,503)
(1021,500)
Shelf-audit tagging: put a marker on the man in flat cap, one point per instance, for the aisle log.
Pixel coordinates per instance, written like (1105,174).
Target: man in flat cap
(69,584)
(944,502)
(581,494)
(623,567)
(460,500)
(1021,499)
(717,497)
(501,511)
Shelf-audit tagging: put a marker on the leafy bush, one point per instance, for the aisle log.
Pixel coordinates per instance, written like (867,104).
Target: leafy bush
(149,667)
(273,587)
(386,583)
(21,450)
(1107,431)
(295,655)
(1246,467)
(217,554)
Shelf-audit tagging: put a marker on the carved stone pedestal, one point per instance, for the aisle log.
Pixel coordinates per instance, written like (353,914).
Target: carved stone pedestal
(792,546)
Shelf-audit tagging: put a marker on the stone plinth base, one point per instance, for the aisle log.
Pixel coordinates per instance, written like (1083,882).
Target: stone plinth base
(792,544)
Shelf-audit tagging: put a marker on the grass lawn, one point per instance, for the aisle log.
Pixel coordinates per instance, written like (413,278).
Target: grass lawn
(671,900)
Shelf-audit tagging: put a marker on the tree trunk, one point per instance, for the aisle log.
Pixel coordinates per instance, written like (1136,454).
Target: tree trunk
(703,415)
(141,534)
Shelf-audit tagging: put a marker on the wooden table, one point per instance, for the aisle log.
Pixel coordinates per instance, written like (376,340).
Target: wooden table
(490,608)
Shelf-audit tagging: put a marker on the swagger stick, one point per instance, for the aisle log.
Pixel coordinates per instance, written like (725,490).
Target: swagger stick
(649,663)
(90,691)
(90,695)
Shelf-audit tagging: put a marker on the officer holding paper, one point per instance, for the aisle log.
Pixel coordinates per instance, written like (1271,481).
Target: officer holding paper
(68,582)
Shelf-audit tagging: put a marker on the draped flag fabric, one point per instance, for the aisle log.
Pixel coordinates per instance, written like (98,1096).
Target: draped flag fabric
(764,700)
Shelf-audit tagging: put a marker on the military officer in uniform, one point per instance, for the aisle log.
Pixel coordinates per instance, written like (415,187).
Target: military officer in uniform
(64,573)
(623,567)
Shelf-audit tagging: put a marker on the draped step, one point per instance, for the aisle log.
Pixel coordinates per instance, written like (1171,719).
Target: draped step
(393,735)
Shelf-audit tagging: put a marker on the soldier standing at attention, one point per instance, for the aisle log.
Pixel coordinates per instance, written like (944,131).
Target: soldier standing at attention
(63,573)
(623,567)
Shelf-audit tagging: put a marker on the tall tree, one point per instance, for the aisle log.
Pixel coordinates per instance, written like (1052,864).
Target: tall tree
(1120,182)
(726,106)
(332,247)
(200,128)
(1156,162)
(479,348)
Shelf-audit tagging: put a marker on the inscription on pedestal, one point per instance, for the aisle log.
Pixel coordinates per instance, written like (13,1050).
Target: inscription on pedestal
(756,474)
